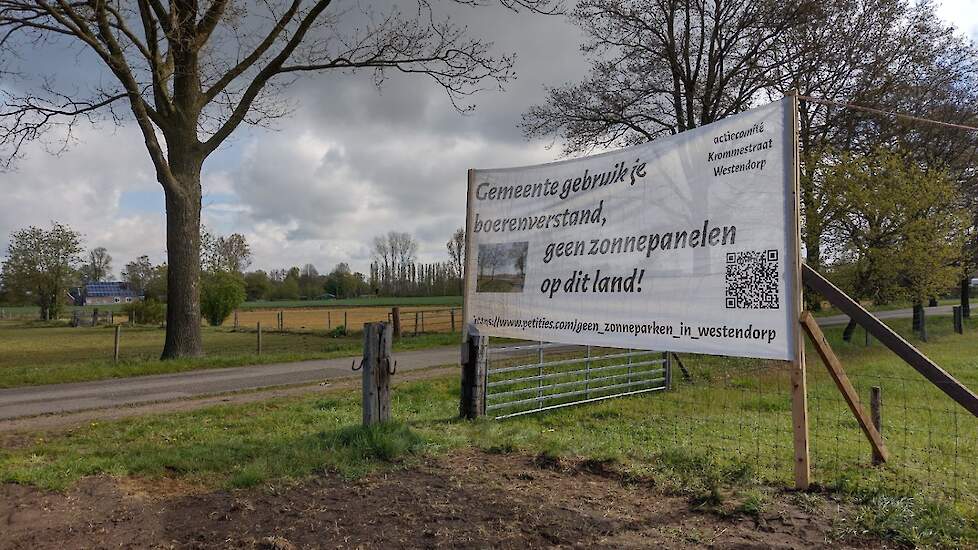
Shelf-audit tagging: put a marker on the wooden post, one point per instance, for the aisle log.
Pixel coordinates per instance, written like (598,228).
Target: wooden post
(396,320)
(281,321)
(376,372)
(422,321)
(452,311)
(346,324)
(259,337)
(94,317)
(115,348)
(958,320)
(474,364)
(841,380)
(329,320)
(111,318)
(876,411)
(415,323)
(799,382)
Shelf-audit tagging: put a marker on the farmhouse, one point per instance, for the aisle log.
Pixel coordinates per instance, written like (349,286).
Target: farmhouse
(100,294)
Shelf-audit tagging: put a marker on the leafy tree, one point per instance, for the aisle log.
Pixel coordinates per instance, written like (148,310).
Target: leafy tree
(342,282)
(138,273)
(98,267)
(222,292)
(231,254)
(310,282)
(900,228)
(257,285)
(42,263)
(191,72)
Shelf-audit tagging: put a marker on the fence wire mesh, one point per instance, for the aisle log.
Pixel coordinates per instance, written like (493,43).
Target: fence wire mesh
(739,411)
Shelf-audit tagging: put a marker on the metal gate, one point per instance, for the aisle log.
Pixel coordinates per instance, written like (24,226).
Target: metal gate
(534,377)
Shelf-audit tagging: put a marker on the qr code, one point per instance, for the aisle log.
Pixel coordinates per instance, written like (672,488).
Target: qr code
(752,279)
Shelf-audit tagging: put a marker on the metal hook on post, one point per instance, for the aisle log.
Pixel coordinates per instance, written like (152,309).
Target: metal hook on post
(391,370)
(354,366)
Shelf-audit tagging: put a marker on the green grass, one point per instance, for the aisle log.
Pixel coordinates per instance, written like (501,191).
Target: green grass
(38,353)
(724,440)
(375,301)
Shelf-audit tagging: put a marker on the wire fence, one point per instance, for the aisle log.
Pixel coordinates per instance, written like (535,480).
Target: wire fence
(739,411)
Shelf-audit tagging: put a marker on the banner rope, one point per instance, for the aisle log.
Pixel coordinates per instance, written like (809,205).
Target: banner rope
(811,99)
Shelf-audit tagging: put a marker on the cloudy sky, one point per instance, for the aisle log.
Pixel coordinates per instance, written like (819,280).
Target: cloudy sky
(351,162)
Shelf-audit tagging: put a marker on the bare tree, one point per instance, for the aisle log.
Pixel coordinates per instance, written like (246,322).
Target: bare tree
(456,250)
(192,72)
(99,266)
(660,67)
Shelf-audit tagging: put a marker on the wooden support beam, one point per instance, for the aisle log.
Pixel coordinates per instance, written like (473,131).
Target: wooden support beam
(913,357)
(842,382)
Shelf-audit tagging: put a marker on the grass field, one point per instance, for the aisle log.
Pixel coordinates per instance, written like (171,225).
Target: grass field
(39,354)
(725,435)
(370,301)
(413,318)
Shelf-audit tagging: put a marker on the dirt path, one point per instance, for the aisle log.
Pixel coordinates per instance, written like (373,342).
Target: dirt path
(469,499)
(67,398)
(49,422)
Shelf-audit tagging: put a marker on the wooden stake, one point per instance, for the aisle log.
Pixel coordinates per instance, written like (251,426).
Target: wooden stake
(876,411)
(799,383)
(376,373)
(396,319)
(115,350)
(842,382)
(259,337)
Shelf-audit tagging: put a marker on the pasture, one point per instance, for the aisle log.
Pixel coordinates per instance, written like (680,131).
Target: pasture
(721,439)
(37,353)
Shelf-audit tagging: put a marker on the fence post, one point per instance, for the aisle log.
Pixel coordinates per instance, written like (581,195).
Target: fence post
(115,348)
(415,323)
(281,321)
(876,412)
(376,372)
(396,319)
(259,337)
(422,321)
(474,365)
(958,320)
(452,311)
(235,320)
(111,318)
(667,364)
(94,317)
(346,324)
(329,320)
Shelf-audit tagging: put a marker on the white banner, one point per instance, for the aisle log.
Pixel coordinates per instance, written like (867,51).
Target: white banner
(687,243)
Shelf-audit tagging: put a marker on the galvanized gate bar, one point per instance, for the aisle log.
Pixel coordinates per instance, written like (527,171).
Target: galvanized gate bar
(512,381)
(542,385)
(567,362)
(586,382)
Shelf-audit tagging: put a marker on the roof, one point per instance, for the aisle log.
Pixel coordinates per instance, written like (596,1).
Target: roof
(110,289)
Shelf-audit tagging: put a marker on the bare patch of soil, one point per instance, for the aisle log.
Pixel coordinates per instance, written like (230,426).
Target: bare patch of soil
(469,499)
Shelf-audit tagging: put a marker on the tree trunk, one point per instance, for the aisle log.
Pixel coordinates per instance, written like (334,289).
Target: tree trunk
(966,297)
(183,334)
(932,302)
(918,312)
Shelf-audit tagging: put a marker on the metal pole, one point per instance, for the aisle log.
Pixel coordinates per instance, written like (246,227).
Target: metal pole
(876,412)
(587,374)
(540,373)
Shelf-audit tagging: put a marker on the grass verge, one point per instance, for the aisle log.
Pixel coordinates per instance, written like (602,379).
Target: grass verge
(723,440)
